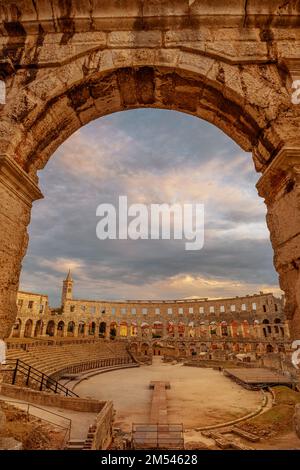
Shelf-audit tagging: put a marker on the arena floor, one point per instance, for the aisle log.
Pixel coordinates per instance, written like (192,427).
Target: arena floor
(198,397)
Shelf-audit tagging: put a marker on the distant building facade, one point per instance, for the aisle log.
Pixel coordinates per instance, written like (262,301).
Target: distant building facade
(32,309)
(250,324)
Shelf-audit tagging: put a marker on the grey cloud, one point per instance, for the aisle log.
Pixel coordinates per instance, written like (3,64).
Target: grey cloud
(63,225)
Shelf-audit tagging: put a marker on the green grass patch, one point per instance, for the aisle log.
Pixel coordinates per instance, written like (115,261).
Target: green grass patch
(284,395)
(278,419)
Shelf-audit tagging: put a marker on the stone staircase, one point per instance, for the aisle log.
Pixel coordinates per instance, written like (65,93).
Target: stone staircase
(79,444)
(75,444)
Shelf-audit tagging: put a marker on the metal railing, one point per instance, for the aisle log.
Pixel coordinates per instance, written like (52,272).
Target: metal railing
(43,380)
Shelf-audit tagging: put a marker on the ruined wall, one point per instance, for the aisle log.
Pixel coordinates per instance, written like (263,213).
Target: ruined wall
(87,405)
(103,427)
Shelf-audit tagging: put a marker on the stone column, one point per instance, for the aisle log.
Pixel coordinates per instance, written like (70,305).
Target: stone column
(75,332)
(280,187)
(17,192)
(43,328)
(55,331)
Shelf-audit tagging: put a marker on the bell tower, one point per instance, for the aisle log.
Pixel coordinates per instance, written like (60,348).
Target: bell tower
(67,290)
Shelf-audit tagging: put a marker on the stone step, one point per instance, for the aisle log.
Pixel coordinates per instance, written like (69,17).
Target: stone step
(74,447)
(75,442)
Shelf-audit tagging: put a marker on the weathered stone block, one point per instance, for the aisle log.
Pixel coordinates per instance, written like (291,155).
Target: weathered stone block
(134,39)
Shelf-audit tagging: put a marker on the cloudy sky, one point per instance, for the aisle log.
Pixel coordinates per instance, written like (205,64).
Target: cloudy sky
(152,156)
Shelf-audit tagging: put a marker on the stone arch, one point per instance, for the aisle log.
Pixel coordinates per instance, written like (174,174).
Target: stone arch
(71,328)
(191,329)
(50,329)
(60,328)
(113,330)
(234,328)
(246,328)
(123,329)
(181,329)
(157,329)
(28,328)
(224,328)
(278,329)
(145,349)
(133,347)
(145,329)
(16,330)
(133,329)
(85,97)
(213,328)
(182,349)
(157,349)
(266,327)
(202,329)
(102,329)
(269,348)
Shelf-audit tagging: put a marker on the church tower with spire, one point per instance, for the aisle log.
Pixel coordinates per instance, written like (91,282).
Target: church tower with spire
(67,290)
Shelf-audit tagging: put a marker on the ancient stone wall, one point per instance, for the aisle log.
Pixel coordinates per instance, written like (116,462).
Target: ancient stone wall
(87,405)
(103,427)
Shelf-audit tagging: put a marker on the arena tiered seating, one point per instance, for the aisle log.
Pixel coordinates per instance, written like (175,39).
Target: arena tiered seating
(52,359)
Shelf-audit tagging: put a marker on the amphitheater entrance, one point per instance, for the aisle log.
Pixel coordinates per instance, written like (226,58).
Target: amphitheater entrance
(50,330)
(60,328)
(149,58)
(71,328)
